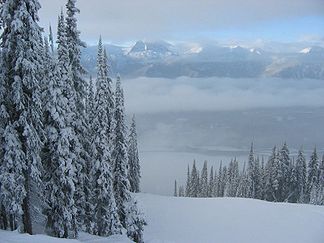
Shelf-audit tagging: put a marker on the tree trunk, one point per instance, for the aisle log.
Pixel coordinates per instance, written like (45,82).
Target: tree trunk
(3,216)
(28,228)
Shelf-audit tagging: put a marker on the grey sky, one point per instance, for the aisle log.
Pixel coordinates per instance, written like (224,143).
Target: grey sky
(139,19)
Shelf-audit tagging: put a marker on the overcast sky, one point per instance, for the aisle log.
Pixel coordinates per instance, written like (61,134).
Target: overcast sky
(129,20)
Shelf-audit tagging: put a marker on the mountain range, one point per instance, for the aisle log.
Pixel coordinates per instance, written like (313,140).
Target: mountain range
(162,59)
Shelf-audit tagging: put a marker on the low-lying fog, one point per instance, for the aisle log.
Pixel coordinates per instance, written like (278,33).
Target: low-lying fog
(215,119)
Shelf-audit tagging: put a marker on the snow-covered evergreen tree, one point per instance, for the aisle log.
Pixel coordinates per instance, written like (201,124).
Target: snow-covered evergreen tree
(175,193)
(257,179)
(134,173)
(312,177)
(106,219)
(58,156)
(194,181)
(233,179)
(129,214)
(120,156)
(188,184)
(285,173)
(211,183)
(250,173)
(82,144)
(21,58)
(292,184)
(301,176)
(204,181)
(273,177)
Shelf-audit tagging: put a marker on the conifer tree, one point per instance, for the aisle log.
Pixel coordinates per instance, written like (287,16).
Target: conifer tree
(175,193)
(128,212)
(250,173)
(301,176)
(194,181)
(257,178)
(219,181)
(188,184)
(204,181)
(82,143)
(211,183)
(312,177)
(120,156)
(21,56)
(106,219)
(285,173)
(273,177)
(134,173)
(58,156)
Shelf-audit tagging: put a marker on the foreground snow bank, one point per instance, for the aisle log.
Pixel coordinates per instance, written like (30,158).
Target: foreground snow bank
(15,237)
(221,220)
(230,220)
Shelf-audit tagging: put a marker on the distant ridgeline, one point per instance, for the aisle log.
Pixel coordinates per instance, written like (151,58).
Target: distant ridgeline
(280,179)
(67,160)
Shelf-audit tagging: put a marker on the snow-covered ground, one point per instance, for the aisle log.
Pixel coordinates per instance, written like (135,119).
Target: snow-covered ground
(230,220)
(15,237)
(221,220)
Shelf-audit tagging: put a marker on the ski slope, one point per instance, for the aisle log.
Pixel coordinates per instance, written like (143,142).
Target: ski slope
(230,220)
(214,220)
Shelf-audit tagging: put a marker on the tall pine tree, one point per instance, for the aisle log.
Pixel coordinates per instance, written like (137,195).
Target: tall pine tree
(106,217)
(21,64)
(134,173)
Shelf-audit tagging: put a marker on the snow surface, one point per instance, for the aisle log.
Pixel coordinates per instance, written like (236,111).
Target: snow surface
(15,237)
(230,220)
(220,220)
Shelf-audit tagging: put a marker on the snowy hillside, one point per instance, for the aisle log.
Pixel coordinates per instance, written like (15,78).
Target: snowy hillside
(222,220)
(227,220)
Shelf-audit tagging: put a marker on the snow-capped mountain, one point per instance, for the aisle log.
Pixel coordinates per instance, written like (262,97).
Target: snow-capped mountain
(163,59)
(151,50)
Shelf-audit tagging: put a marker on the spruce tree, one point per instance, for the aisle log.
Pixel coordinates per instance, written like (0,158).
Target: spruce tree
(58,156)
(134,173)
(129,214)
(194,181)
(120,156)
(250,173)
(211,183)
(312,177)
(106,219)
(175,193)
(204,181)
(82,144)
(21,56)
(273,176)
(188,184)
(285,173)
(301,176)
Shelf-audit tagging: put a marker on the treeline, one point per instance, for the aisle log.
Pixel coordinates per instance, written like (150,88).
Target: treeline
(66,156)
(279,179)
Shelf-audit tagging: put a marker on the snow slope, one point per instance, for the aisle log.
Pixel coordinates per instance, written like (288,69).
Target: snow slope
(230,220)
(15,237)
(214,220)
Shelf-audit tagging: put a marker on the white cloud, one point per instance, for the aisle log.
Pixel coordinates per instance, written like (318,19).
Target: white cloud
(215,94)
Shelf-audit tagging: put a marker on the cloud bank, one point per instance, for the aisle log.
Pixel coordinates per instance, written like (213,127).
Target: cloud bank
(150,95)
